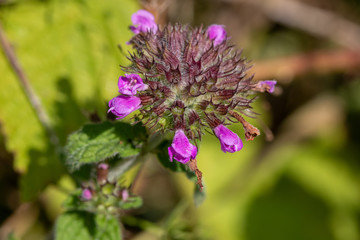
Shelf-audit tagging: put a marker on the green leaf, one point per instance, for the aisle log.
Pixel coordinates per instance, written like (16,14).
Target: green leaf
(68,50)
(107,228)
(75,225)
(81,225)
(131,203)
(74,202)
(44,168)
(96,142)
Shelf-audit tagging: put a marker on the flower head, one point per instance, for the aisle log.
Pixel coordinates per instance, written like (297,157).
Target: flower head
(193,79)
(181,149)
(143,22)
(230,142)
(86,194)
(122,106)
(192,85)
(130,84)
(216,33)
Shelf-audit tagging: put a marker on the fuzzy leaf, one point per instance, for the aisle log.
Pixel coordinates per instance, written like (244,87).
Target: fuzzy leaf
(107,228)
(65,50)
(131,203)
(81,225)
(74,202)
(96,142)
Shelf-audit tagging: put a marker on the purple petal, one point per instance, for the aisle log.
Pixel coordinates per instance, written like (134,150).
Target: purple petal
(103,166)
(86,194)
(125,195)
(193,152)
(122,106)
(171,154)
(143,21)
(216,33)
(131,83)
(181,149)
(268,85)
(229,141)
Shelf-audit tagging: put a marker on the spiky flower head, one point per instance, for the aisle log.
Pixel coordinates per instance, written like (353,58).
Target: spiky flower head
(186,80)
(193,83)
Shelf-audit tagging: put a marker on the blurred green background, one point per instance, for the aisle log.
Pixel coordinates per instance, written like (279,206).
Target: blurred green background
(299,180)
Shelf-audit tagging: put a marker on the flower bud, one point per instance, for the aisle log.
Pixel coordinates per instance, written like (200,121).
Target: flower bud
(143,22)
(102,173)
(107,189)
(181,149)
(230,142)
(131,83)
(86,194)
(122,106)
(125,194)
(216,33)
(103,166)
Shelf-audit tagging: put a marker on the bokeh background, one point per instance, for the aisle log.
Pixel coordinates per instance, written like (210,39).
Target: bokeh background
(299,180)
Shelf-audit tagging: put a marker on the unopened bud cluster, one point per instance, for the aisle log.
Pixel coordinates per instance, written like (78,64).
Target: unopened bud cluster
(103,195)
(184,80)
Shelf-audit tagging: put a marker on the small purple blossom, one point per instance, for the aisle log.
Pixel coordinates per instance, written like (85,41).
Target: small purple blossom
(103,166)
(143,22)
(181,149)
(122,106)
(268,85)
(125,194)
(102,173)
(86,194)
(230,142)
(216,33)
(131,83)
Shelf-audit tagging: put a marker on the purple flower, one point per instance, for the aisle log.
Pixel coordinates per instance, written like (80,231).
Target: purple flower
(103,166)
(268,85)
(86,194)
(125,194)
(143,22)
(131,83)
(122,106)
(216,33)
(230,142)
(181,149)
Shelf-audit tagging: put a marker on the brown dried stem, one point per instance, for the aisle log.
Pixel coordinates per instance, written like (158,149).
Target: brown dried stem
(250,131)
(192,164)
